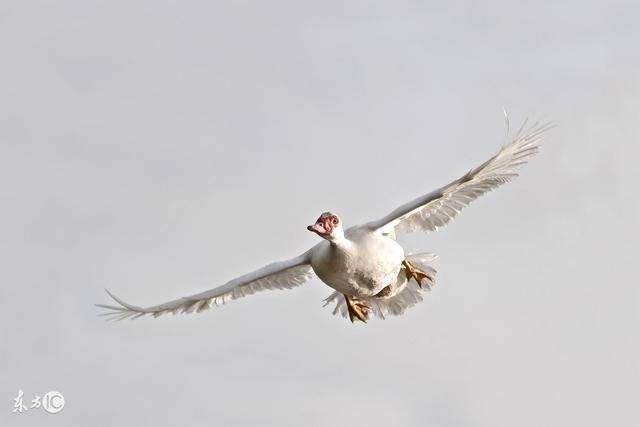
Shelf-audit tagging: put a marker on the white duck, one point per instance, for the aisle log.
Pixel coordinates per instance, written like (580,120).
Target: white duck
(368,269)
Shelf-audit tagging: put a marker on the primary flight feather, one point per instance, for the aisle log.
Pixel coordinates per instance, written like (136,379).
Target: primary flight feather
(367,268)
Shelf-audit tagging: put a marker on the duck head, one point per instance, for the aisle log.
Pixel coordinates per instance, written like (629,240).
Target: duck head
(328,226)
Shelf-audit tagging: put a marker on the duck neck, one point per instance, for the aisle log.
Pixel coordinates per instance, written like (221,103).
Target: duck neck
(339,241)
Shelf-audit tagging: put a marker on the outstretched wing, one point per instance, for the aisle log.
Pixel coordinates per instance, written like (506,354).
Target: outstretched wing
(437,208)
(279,275)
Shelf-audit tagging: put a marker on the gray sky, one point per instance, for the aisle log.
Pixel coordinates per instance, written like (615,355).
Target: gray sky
(161,148)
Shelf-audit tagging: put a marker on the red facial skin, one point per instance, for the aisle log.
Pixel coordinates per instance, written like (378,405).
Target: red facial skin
(324,225)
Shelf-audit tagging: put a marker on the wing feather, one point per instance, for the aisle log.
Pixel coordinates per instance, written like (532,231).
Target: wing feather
(436,209)
(280,275)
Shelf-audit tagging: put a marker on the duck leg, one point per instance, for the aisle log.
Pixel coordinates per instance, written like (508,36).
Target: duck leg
(417,274)
(358,309)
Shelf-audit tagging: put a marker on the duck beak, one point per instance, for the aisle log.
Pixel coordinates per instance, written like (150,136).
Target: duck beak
(317,228)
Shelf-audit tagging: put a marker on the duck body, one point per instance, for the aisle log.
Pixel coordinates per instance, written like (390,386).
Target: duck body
(361,264)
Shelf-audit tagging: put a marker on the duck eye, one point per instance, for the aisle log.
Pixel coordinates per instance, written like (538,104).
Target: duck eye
(335,221)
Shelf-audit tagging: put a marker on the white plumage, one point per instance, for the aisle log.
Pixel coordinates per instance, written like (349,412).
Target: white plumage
(279,275)
(364,264)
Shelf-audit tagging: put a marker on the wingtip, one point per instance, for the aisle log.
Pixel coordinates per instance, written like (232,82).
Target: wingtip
(119,301)
(110,307)
(506,121)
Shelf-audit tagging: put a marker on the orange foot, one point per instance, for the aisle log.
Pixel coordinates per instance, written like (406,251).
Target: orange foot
(358,309)
(417,274)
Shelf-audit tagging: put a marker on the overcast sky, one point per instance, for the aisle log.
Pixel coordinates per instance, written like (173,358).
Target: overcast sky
(162,148)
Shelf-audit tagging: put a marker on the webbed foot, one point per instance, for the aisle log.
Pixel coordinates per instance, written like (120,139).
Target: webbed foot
(358,309)
(417,274)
